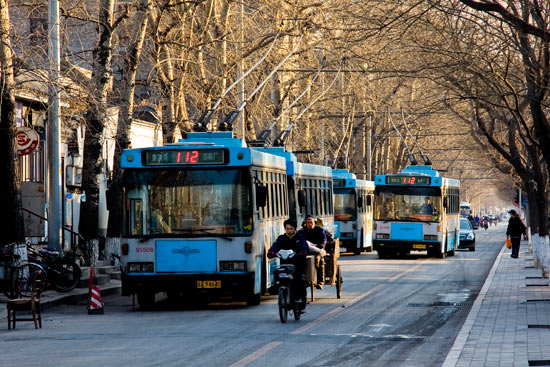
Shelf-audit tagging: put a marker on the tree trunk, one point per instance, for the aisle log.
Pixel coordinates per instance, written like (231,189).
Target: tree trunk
(125,116)
(10,191)
(102,79)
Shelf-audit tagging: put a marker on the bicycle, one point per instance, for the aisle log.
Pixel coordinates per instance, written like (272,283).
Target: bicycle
(61,272)
(289,294)
(16,280)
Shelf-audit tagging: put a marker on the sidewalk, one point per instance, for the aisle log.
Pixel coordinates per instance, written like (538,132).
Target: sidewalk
(509,323)
(51,298)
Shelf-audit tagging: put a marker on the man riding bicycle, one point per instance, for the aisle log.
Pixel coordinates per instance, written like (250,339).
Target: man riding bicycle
(291,240)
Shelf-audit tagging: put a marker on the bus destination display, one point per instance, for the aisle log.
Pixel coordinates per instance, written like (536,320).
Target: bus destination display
(408,180)
(184,157)
(338,182)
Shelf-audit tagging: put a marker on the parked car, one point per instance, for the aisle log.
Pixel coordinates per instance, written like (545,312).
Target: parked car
(467,235)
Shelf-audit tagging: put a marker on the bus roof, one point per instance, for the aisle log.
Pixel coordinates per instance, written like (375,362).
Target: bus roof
(420,171)
(345,179)
(293,167)
(238,154)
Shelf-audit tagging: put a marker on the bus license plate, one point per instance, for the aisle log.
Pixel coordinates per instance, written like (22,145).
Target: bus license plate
(209,283)
(419,246)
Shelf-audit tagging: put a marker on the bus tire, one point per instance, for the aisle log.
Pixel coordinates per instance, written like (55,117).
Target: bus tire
(357,251)
(442,254)
(146,299)
(254,299)
(453,251)
(381,254)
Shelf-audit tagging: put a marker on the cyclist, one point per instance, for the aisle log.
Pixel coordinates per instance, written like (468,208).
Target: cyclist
(291,240)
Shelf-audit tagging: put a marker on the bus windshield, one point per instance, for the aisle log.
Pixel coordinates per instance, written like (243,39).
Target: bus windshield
(344,204)
(182,202)
(407,203)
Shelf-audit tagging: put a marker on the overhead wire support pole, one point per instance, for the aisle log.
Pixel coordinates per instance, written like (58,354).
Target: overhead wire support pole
(227,123)
(412,159)
(204,119)
(425,158)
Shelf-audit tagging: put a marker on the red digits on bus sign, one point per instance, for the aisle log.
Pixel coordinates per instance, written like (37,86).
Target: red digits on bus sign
(413,179)
(191,157)
(178,159)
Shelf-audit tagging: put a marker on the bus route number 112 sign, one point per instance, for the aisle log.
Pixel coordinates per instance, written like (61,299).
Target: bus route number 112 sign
(27,140)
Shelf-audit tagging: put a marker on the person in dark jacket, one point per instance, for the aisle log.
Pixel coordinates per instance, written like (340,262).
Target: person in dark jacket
(515,230)
(317,240)
(292,240)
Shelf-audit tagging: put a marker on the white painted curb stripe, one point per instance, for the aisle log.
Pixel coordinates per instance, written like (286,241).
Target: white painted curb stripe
(462,337)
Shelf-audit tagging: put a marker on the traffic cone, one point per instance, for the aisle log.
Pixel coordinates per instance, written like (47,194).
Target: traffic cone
(95,303)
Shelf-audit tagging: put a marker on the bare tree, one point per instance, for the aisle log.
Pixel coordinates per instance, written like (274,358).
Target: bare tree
(10,198)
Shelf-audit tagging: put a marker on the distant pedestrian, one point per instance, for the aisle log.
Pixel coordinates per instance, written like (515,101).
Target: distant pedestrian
(515,230)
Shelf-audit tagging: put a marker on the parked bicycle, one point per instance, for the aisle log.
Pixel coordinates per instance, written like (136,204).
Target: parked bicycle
(61,272)
(16,279)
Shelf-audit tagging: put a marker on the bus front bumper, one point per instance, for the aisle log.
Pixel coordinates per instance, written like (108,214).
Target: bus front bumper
(217,284)
(388,245)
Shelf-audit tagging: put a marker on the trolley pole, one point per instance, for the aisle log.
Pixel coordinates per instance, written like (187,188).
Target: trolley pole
(53,130)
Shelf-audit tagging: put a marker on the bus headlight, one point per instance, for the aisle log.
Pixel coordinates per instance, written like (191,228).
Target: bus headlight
(382,235)
(141,267)
(232,265)
(430,237)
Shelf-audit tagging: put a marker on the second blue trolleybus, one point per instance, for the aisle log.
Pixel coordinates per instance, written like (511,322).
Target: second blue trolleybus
(416,210)
(353,211)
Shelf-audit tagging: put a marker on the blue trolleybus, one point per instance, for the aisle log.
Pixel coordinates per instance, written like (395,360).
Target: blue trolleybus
(416,210)
(353,211)
(199,215)
(309,189)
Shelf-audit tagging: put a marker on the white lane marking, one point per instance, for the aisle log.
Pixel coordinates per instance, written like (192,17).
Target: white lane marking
(263,350)
(257,354)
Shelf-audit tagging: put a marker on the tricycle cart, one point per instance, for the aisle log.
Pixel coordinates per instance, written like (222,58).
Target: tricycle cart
(333,273)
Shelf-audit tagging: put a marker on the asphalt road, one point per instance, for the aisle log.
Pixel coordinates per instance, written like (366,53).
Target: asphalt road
(393,312)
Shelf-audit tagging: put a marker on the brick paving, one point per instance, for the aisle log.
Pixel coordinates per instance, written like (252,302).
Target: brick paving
(509,323)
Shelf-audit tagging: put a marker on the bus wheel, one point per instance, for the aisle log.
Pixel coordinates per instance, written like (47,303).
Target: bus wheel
(146,299)
(357,251)
(381,254)
(254,299)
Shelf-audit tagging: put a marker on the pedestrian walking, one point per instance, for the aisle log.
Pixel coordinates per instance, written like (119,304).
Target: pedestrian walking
(515,230)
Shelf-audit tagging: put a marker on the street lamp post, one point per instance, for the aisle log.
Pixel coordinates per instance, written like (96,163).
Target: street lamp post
(53,131)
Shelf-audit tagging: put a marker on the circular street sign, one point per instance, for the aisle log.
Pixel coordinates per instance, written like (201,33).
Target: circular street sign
(27,140)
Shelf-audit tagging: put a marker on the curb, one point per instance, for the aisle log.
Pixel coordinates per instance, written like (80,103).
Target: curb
(80,297)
